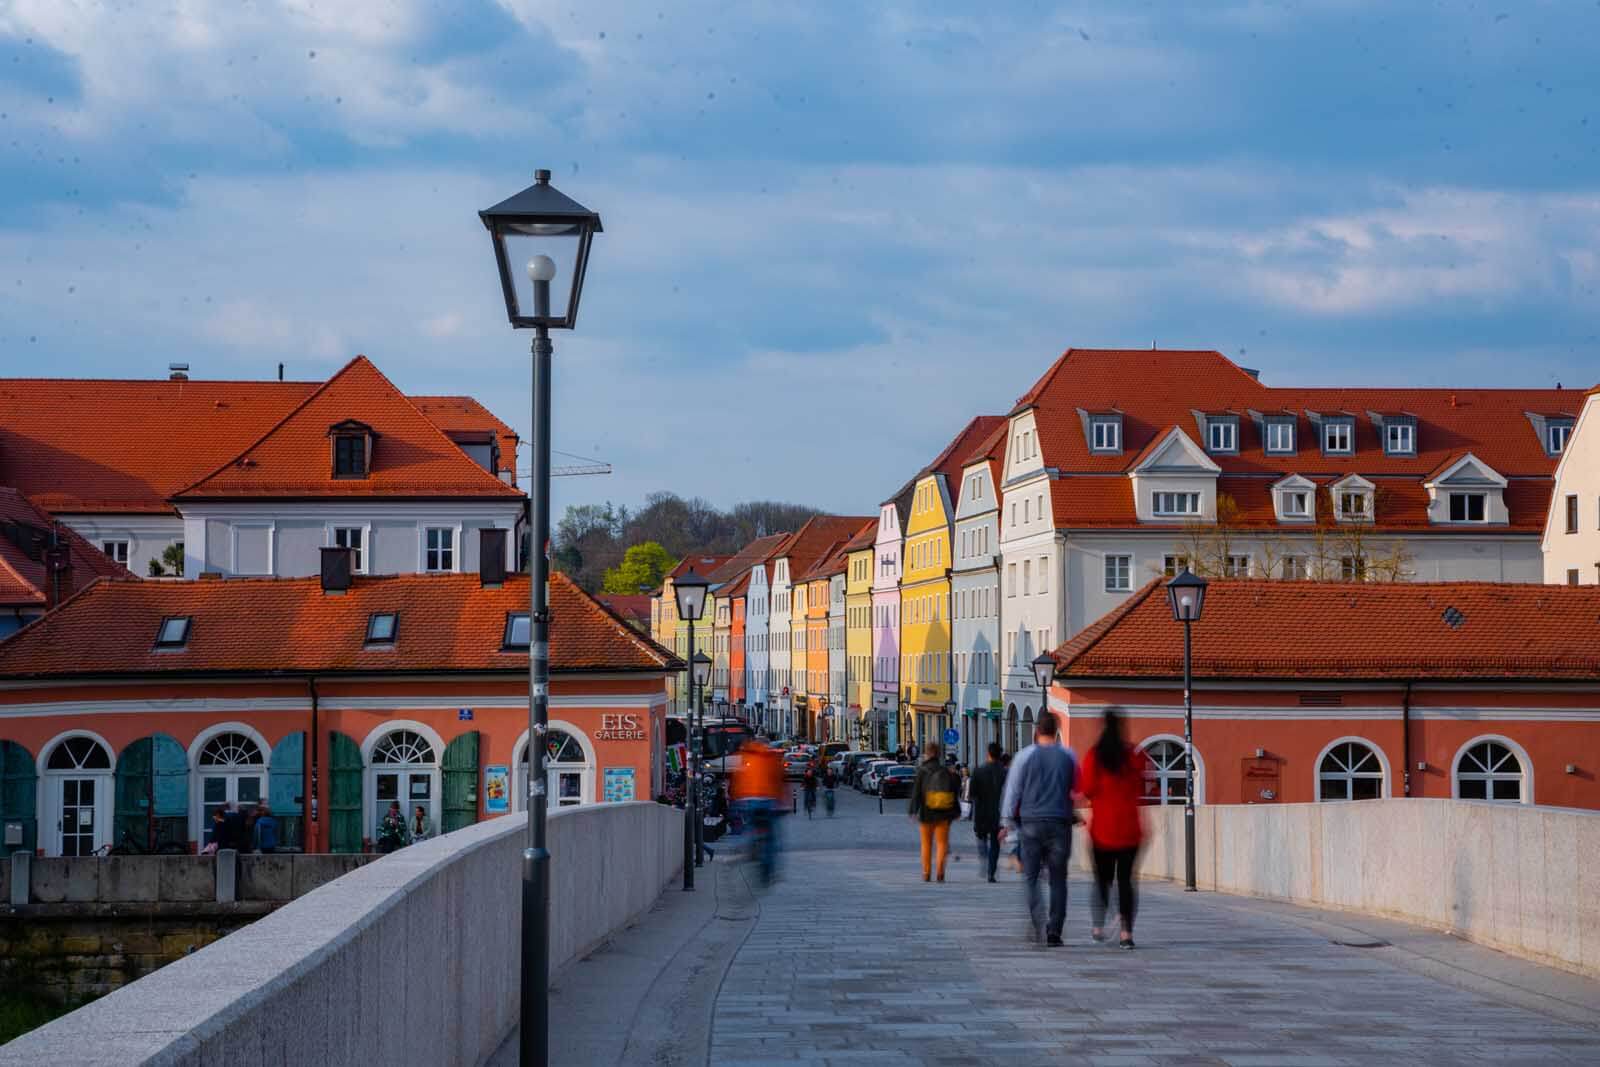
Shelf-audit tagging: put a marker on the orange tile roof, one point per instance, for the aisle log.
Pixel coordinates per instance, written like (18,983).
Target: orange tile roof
(1341,631)
(630,607)
(702,565)
(411,459)
(1159,389)
(991,448)
(831,562)
(447,622)
(809,544)
(23,579)
(758,551)
(867,536)
(957,452)
(460,415)
(125,446)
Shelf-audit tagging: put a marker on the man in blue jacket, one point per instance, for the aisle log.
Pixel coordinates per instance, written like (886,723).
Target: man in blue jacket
(1038,807)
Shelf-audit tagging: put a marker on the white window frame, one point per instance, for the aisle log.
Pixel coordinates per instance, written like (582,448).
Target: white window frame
(1305,496)
(1274,428)
(1119,573)
(1317,776)
(1105,434)
(1172,498)
(1199,768)
(271,526)
(1517,750)
(1561,428)
(364,553)
(1299,563)
(106,546)
(1348,427)
(1174,564)
(1406,431)
(422,547)
(1226,427)
(1365,495)
(1229,570)
(1465,496)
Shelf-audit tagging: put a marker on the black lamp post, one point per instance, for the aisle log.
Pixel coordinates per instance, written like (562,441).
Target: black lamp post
(1187,595)
(702,674)
(538,234)
(1044,672)
(690,590)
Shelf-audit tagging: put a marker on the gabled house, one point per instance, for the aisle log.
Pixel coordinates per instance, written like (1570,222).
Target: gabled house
(42,562)
(1571,542)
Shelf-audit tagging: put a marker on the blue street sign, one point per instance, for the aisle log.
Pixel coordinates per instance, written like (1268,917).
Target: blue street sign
(952,736)
(464,714)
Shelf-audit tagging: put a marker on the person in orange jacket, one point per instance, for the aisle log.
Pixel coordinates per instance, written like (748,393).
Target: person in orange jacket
(757,785)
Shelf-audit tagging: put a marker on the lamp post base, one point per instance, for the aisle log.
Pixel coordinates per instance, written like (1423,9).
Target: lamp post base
(533,1037)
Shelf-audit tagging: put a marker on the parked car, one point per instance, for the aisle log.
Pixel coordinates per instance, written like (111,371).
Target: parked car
(875,769)
(795,764)
(828,751)
(896,781)
(858,774)
(855,763)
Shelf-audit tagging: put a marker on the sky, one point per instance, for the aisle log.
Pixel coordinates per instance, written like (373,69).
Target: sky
(833,231)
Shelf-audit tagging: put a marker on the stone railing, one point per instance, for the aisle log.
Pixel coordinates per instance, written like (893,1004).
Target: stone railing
(410,959)
(1519,878)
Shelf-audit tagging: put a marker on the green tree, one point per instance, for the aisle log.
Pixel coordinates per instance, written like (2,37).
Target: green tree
(641,570)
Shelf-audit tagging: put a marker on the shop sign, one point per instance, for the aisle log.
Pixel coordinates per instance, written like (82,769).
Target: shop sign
(496,789)
(618,784)
(617,727)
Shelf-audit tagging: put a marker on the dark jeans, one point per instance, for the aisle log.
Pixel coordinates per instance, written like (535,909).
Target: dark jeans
(1046,844)
(988,853)
(1115,863)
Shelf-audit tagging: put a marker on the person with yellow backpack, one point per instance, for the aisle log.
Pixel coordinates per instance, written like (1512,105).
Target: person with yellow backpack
(934,805)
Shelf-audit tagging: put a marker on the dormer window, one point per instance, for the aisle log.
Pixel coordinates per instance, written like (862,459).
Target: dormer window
(1170,504)
(1295,499)
(1557,431)
(1296,504)
(173,631)
(1469,507)
(1105,433)
(1400,437)
(516,635)
(1338,436)
(1280,437)
(352,448)
(381,627)
(1354,504)
(1222,433)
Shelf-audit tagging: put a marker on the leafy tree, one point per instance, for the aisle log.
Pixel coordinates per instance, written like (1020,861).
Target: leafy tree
(641,570)
(172,557)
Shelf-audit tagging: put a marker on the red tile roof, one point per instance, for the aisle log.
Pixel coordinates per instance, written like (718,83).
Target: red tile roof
(993,449)
(447,622)
(462,416)
(633,608)
(818,537)
(959,450)
(1349,632)
(866,538)
(1157,390)
(702,565)
(81,446)
(411,458)
(23,579)
(758,551)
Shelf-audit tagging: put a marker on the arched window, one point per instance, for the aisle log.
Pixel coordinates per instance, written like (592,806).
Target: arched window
(77,796)
(1490,769)
(79,754)
(230,750)
(403,746)
(1165,781)
(231,771)
(403,769)
(1350,770)
(569,772)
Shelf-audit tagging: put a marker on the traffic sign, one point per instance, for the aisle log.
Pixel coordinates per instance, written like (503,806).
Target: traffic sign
(952,736)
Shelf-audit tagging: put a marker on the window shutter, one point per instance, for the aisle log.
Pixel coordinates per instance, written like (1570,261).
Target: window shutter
(344,794)
(285,784)
(133,793)
(18,795)
(169,785)
(460,767)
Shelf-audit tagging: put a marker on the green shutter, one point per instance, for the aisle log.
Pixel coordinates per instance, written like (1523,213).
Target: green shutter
(170,788)
(461,782)
(152,806)
(285,786)
(18,796)
(344,793)
(134,819)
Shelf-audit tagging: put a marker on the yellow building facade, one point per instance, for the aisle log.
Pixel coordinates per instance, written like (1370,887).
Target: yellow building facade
(858,638)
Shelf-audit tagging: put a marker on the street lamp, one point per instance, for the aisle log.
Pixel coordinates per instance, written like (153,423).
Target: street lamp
(691,593)
(1187,595)
(538,234)
(1044,672)
(702,675)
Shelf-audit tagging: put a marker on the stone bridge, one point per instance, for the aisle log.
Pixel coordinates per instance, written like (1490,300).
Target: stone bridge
(1434,931)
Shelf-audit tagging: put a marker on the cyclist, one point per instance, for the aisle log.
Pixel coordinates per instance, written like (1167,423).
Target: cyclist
(809,782)
(757,785)
(830,782)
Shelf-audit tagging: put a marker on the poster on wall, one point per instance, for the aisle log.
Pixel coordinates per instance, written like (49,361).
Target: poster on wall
(618,784)
(496,789)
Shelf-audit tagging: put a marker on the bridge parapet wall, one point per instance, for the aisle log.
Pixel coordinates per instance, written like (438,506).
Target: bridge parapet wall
(1520,878)
(411,959)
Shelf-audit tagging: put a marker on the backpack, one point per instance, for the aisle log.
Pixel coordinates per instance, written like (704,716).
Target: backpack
(940,794)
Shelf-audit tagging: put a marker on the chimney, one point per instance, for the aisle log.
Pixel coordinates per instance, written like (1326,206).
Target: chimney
(57,574)
(178,372)
(1452,400)
(492,558)
(337,564)
(280,372)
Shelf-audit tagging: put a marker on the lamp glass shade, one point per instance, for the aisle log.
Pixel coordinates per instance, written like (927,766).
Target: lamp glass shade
(1186,594)
(702,668)
(1044,670)
(691,593)
(533,231)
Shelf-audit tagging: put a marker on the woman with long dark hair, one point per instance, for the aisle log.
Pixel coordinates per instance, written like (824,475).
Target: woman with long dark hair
(1113,783)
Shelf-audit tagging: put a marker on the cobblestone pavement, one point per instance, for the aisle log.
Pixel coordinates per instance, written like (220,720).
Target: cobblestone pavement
(854,960)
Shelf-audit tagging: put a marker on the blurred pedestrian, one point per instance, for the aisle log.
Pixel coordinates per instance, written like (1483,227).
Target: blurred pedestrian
(1113,784)
(1037,806)
(264,832)
(987,787)
(809,784)
(232,835)
(934,806)
(392,828)
(757,785)
(420,829)
(830,782)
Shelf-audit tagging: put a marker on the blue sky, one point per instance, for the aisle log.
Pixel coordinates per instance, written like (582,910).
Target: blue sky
(833,231)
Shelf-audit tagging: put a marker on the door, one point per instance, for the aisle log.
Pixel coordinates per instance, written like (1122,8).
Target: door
(217,791)
(79,828)
(345,831)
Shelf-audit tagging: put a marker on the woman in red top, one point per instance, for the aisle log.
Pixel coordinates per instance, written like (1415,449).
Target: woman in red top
(1113,783)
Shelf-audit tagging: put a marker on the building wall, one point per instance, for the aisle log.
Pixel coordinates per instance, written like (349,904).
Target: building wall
(975,607)
(736,653)
(836,655)
(1577,475)
(148,536)
(886,571)
(925,663)
(757,645)
(858,631)
(1552,727)
(778,654)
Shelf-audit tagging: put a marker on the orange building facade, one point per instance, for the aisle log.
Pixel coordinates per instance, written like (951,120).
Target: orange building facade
(129,715)
(1331,691)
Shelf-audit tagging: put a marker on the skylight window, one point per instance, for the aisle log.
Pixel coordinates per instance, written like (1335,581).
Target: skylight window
(381,627)
(516,630)
(174,632)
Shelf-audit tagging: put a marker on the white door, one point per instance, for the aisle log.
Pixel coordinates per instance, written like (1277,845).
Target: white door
(78,790)
(405,769)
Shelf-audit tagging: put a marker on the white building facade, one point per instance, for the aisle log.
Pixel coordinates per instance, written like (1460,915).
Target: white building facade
(887,565)
(975,600)
(1571,543)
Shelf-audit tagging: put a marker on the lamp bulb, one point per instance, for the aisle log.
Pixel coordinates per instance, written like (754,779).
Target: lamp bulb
(541,269)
